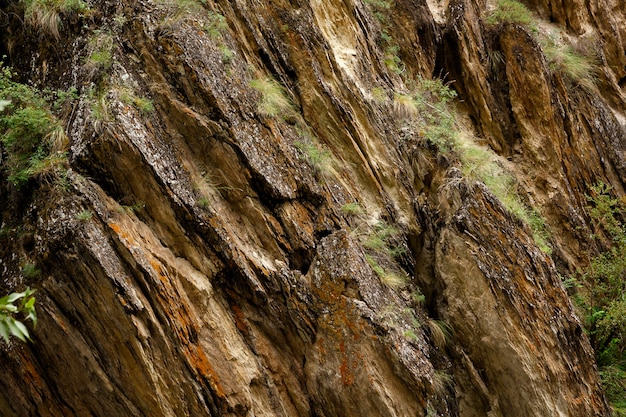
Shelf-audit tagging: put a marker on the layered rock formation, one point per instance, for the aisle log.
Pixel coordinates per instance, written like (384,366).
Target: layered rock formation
(224,268)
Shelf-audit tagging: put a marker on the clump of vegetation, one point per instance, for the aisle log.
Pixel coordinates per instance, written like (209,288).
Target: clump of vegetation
(99,105)
(274,100)
(312,151)
(84,215)
(101,56)
(379,8)
(391,53)
(440,332)
(203,202)
(179,11)
(352,209)
(428,108)
(600,296)
(14,305)
(30,270)
(216,25)
(379,94)
(318,158)
(574,66)
(32,137)
(511,12)
(136,207)
(391,50)
(46,15)
(144,105)
(388,278)
(380,237)
(480,164)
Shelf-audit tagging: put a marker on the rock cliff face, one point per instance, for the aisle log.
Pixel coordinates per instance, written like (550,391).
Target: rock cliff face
(300,247)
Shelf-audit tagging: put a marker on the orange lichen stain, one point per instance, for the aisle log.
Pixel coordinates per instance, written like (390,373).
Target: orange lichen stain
(115,228)
(158,269)
(118,231)
(201,363)
(347,378)
(240,320)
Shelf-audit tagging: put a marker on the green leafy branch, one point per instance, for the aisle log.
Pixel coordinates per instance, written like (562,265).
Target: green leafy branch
(20,303)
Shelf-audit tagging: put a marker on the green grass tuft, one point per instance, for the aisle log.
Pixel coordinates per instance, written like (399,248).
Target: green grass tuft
(511,12)
(274,100)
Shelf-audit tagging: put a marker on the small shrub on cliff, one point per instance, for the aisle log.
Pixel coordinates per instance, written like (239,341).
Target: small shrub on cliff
(101,56)
(430,103)
(315,155)
(31,136)
(601,293)
(216,25)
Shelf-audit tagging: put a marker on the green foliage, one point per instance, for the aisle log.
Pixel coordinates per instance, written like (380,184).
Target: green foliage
(428,106)
(390,279)
(480,164)
(318,158)
(32,137)
(601,294)
(203,202)
(274,100)
(380,244)
(442,381)
(352,209)
(392,59)
(417,297)
(101,56)
(30,270)
(9,325)
(511,12)
(64,97)
(144,105)
(84,215)
(180,10)
(99,105)
(227,54)
(379,94)
(136,207)
(216,25)
(380,238)
(378,4)
(440,332)
(46,15)
(573,66)
(614,382)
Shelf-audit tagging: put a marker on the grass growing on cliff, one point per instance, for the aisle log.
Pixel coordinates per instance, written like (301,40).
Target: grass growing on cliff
(388,278)
(318,158)
(274,100)
(575,67)
(31,136)
(428,108)
(600,293)
(481,164)
(143,104)
(46,15)
(511,12)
